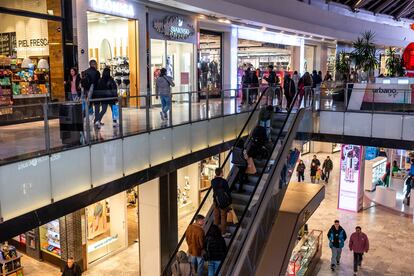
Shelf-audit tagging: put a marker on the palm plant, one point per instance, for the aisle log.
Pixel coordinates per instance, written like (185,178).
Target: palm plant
(342,65)
(393,63)
(365,53)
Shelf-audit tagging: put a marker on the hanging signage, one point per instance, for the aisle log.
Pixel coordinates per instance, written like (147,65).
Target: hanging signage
(350,188)
(114,7)
(174,27)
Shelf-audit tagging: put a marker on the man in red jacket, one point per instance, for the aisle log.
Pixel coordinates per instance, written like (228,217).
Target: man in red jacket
(359,244)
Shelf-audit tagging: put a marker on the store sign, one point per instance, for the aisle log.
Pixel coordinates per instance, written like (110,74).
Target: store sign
(350,193)
(174,27)
(102,243)
(34,42)
(116,7)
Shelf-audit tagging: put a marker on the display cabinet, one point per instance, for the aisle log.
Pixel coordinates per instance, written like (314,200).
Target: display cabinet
(306,255)
(374,170)
(10,261)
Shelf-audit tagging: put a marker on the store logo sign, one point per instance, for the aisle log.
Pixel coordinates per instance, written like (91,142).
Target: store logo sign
(174,27)
(121,8)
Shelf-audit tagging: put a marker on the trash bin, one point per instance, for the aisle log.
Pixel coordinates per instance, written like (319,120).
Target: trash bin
(70,123)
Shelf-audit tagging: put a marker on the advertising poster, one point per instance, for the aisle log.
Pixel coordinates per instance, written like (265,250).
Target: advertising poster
(349,195)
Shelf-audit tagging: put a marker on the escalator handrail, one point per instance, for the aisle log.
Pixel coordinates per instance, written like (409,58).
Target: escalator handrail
(258,181)
(172,257)
(264,192)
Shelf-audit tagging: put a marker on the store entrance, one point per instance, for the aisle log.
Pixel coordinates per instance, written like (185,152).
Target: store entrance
(178,59)
(113,43)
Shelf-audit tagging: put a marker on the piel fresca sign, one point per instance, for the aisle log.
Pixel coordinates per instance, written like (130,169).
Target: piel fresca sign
(174,27)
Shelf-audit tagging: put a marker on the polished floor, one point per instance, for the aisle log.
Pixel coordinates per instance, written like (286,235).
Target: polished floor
(390,234)
(29,139)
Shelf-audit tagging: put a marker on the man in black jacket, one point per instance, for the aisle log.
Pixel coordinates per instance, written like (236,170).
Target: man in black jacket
(222,200)
(72,268)
(289,89)
(92,77)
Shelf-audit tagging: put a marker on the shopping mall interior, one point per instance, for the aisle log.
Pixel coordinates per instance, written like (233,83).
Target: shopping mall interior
(118,116)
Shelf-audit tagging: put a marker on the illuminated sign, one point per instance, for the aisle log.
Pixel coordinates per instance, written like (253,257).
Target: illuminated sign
(122,8)
(174,27)
(102,243)
(350,178)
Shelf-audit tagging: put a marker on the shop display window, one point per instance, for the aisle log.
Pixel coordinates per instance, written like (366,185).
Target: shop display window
(209,63)
(50,7)
(50,238)
(31,58)
(309,64)
(306,254)
(112,43)
(330,65)
(106,230)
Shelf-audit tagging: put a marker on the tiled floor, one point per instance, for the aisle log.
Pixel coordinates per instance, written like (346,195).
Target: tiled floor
(390,234)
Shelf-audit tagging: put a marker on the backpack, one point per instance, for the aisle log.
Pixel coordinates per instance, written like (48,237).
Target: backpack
(222,199)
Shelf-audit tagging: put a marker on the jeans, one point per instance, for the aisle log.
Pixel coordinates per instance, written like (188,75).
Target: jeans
(99,113)
(266,124)
(336,256)
(165,103)
(198,263)
(357,260)
(212,267)
(327,174)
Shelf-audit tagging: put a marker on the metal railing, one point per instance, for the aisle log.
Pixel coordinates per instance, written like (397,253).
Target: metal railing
(56,127)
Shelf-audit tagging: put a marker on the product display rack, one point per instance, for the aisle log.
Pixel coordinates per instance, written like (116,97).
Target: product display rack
(306,255)
(12,267)
(374,170)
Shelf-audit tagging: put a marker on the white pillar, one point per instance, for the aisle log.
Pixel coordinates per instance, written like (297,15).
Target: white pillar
(230,43)
(149,228)
(82,34)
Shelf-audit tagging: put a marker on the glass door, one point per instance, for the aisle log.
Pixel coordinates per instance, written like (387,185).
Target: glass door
(180,66)
(157,62)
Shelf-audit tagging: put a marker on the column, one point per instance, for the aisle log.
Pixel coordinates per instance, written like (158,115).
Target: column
(157,223)
(229,55)
(72,240)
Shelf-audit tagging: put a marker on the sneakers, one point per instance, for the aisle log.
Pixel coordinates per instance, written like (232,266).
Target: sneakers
(333,267)
(226,235)
(337,263)
(162,115)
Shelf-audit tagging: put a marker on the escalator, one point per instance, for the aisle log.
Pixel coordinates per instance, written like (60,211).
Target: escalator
(263,191)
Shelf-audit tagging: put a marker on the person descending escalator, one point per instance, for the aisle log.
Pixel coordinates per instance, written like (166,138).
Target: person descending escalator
(239,160)
(215,249)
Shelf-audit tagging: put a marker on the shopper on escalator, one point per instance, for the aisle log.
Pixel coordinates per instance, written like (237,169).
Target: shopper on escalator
(215,249)
(337,238)
(239,160)
(195,238)
(289,90)
(222,201)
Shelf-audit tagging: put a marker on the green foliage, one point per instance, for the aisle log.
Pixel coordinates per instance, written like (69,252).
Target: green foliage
(342,65)
(365,52)
(393,63)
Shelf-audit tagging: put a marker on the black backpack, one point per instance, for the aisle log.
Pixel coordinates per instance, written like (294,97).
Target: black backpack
(222,199)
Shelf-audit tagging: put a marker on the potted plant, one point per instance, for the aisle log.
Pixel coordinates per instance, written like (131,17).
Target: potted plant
(365,55)
(342,67)
(393,63)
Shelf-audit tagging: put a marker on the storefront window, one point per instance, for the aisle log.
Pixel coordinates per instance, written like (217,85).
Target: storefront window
(31,58)
(112,43)
(309,64)
(106,226)
(50,238)
(209,63)
(51,7)
(331,61)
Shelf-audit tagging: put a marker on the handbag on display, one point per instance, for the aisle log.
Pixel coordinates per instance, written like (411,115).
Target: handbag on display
(251,168)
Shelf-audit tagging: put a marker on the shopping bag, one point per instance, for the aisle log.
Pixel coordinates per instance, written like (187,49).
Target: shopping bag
(232,217)
(115,112)
(323,176)
(251,168)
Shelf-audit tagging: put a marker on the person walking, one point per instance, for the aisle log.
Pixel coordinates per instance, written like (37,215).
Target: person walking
(289,90)
(195,238)
(409,185)
(73,85)
(315,163)
(300,170)
(337,237)
(246,83)
(181,266)
(72,268)
(327,167)
(358,242)
(215,249)
(163,86)
(106,89)
(239,160)
(316,79)
(296,79)
(254,85)
(222,201)
(90,83)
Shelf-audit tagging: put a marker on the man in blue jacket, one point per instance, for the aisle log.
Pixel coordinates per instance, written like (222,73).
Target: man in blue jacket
(337,237)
